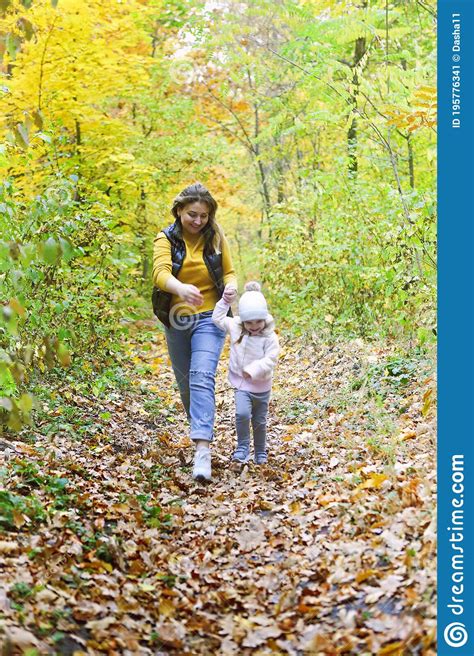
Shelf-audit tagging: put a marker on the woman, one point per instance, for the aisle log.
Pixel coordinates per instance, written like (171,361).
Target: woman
(192,270)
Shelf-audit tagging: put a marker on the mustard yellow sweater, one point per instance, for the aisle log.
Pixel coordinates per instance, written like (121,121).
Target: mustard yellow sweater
(194,270)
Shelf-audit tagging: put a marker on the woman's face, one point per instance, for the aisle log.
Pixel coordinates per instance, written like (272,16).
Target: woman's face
(194,217)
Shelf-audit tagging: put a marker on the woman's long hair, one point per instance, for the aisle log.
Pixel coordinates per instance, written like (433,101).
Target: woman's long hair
(212,231)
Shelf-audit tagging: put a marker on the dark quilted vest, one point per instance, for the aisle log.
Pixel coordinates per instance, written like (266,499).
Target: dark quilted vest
(162,300)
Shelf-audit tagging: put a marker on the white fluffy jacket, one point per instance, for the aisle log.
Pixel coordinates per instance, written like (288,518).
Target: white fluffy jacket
(255,355)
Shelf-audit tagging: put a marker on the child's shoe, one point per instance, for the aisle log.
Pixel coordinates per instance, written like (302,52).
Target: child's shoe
(241,455)
(261,458)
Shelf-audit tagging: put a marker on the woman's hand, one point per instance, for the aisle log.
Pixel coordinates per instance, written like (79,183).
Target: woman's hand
(230,293)
(191,295)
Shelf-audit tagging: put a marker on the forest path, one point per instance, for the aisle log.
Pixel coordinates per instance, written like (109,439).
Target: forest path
(328,549)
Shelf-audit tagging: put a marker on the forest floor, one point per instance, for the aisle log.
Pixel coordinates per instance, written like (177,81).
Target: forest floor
(107,546)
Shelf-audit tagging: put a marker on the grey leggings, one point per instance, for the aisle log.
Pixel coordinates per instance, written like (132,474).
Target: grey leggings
(251,406)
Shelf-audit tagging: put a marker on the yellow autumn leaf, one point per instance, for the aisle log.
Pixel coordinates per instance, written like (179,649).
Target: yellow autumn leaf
(19,519)
(17,307)
(166,608)
(427,401)
(366,574)
(374,481)
(326,499)
(295,507)
(393,649)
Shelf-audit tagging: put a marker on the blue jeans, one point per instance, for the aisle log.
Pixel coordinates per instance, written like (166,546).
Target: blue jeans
(194,349)
(251,406)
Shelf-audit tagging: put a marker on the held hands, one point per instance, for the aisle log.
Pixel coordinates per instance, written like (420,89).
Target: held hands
(191,295)
(230,293)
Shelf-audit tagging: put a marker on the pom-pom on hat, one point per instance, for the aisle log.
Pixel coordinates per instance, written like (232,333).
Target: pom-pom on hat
(252,303)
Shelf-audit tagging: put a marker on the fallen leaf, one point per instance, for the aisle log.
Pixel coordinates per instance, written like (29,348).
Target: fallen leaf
(21,638)
(101,625)
(259,636)
(7,547)
(366,574)
(393,649)
(374,481)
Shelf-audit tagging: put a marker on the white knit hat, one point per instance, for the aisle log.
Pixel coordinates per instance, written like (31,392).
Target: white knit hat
(252,304)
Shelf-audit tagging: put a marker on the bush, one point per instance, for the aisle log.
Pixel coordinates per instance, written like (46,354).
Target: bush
(345,260)
(62,276)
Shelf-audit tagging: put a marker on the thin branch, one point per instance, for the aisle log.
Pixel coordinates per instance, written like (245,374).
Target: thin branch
(427,8)
(382,139)
(296,65)
(237,118)
(248,147)
(42,62)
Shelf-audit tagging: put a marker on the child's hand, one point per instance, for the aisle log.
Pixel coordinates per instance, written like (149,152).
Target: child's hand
(247,376)
(230,293)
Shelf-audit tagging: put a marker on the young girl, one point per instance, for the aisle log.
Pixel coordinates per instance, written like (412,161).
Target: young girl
(253,355)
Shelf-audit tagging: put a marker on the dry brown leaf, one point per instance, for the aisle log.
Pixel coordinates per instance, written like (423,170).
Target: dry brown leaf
(19,637)
(167,608)
(7,547)
(259,636)
(171,634)
(102,624)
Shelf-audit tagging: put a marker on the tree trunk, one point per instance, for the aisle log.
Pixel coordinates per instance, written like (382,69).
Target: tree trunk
(411,164)
(78,133)
(359,52)
(261,169)
(142,235)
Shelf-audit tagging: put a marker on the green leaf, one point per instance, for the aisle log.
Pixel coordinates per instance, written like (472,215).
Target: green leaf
(67,249)
(22,137)
(51,251)
(13,43)
(64,356)
(44,137)
(38,119)
(25,403)
(14,421)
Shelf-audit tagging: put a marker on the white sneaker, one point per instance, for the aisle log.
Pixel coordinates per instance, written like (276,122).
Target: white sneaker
(241,455)
(202,465)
